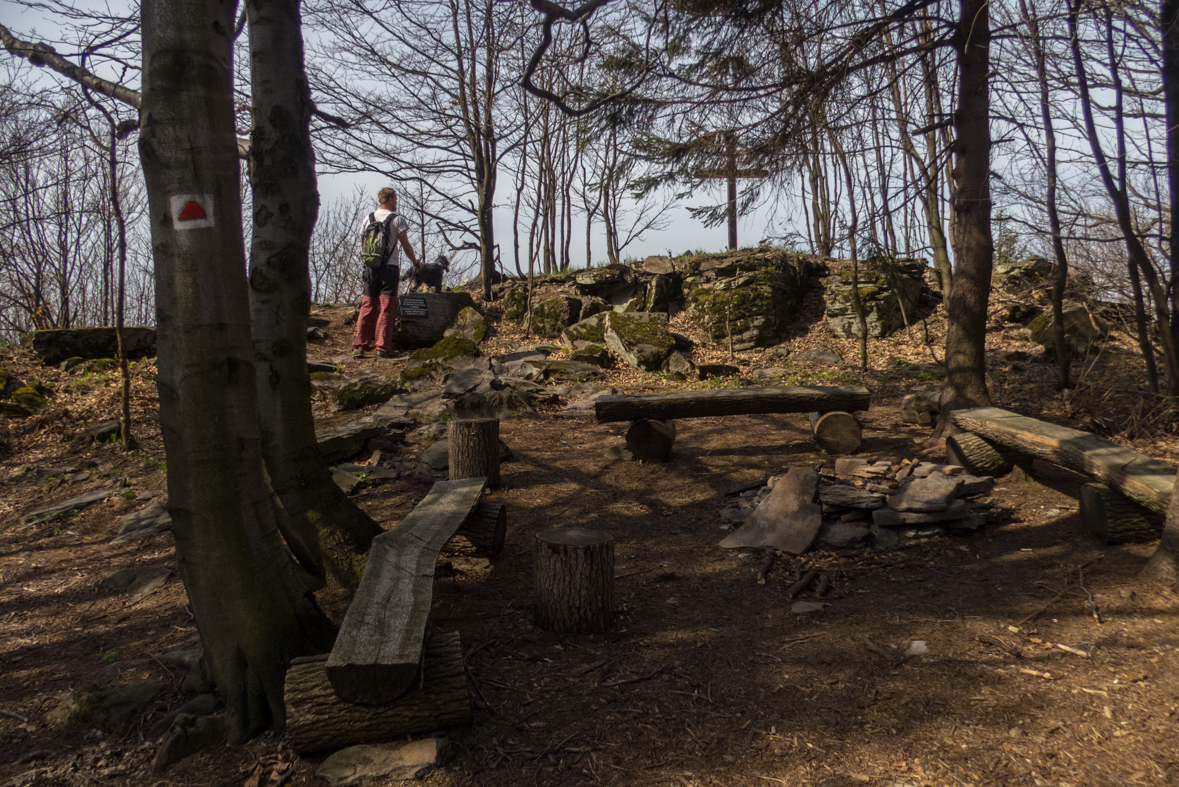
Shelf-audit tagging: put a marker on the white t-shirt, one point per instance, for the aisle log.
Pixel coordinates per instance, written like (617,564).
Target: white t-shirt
(396,227)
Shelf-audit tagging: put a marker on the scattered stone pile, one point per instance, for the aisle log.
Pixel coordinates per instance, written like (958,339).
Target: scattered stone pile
(857,503)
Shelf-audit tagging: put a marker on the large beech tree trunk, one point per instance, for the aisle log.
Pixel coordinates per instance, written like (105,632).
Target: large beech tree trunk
(966,310)
(252,613)
(327,533)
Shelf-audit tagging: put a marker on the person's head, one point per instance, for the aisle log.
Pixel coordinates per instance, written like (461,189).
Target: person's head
(387,197)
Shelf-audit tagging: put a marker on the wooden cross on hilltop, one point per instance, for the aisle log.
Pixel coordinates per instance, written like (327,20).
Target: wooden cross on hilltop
(730,172)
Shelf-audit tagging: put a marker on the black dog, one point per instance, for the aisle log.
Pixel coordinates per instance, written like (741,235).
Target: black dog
(429,275)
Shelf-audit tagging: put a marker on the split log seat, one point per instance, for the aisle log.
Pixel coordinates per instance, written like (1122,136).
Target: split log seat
(735,401)
(1139,480)
(378,653)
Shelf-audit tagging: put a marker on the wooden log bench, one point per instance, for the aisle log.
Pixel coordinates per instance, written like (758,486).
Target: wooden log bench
(378,652)
(1133,493)
(735,401)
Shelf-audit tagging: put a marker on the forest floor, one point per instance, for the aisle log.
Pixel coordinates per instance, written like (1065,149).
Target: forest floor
(709,679)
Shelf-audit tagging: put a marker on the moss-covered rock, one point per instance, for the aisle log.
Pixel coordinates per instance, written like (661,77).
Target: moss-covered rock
(569,371)
(363,391)
(71,363)
(443,356)
(1081,326)
(551,316)
(102,365)
(29,398)
(890,291)
(595,354)
(516,305)
(750,295)
(469,324)
(641,339)
(56,345)
(591,329)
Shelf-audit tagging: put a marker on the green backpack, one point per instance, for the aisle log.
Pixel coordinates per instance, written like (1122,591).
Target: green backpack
(374,241)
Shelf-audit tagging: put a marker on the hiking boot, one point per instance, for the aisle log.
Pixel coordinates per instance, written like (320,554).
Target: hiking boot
(358,352)
(383,354)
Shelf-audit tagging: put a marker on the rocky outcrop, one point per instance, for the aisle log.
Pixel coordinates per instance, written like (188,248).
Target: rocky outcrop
(749,295)
(469,324)
(1081,326)
(56,345)
(1017,275)
(890,291)
(591,330)
(642,340)
(553,315)
(433,362)
(363,391)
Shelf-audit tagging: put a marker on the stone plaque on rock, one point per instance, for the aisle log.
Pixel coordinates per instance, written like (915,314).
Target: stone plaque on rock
(424,317)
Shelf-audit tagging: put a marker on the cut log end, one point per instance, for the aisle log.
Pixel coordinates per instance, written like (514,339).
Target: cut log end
(836,432)
(374,684)
(649,440)
(1112,518)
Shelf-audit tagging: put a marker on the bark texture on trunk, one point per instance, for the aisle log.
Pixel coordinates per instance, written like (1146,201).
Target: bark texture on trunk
(574,580)
(252,613)
(977,455)
(327,533)
(483,533)
(966,309)
(1112,518)
(320,720)
(473,449)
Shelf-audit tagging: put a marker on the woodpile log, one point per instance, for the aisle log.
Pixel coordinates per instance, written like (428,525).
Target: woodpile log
(836,432)
(473,449)
(649,440)
(1113,518)
(378,652)
(319,720)
(483,534)
(574,581)
(978,455)
(739,401)
(1140,478)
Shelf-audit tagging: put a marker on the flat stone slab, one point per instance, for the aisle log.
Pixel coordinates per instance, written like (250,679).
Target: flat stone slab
(64,507)
(144,523)
(137,581)
(885,517)
(788,518)
(849,496)
(391,761)
(933,493)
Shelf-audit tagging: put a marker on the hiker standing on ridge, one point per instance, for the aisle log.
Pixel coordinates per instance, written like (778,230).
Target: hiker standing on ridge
(379,237)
